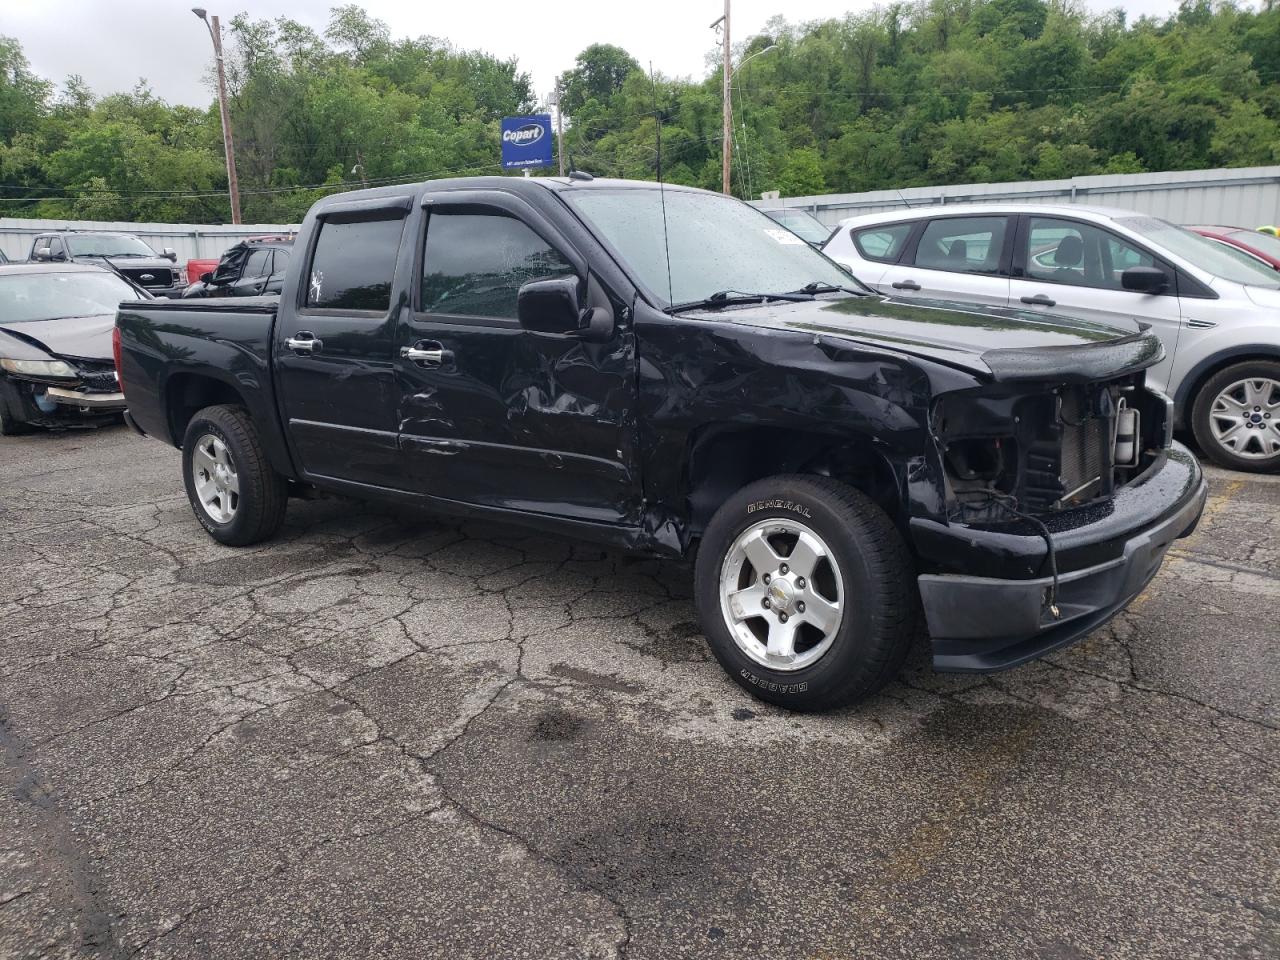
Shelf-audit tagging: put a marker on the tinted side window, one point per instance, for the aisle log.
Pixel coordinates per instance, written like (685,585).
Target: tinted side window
(475,263)
(353,264)
(882,243)
(962,244)
(258,264)
(281,262)
(1064,251)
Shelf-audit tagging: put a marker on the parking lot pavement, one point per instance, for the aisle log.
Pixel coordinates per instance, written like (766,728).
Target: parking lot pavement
(388,735)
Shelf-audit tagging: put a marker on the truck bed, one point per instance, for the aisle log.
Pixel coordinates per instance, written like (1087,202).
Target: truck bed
(180,355)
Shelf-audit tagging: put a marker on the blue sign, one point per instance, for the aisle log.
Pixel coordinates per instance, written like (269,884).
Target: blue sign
(526,141)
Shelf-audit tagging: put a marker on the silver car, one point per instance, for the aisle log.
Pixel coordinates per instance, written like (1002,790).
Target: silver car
(1217,313)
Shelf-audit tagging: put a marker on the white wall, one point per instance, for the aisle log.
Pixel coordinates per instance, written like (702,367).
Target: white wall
(190,241)
(1243,197)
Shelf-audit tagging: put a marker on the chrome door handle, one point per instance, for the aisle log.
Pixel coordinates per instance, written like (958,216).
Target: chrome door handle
(304,342)
(906,285)
(427,356)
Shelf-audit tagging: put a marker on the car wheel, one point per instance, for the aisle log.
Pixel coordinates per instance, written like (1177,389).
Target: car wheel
(234,493)
(806,592)
(1236,417)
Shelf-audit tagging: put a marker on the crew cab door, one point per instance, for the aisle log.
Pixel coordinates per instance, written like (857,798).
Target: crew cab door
(1073,268)
(960,258)
(335,345)
(497,415)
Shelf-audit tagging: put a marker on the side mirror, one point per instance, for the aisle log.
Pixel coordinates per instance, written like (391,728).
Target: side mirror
(43,253)
(206,278)
(171,254)
(1144,279)
(550,306)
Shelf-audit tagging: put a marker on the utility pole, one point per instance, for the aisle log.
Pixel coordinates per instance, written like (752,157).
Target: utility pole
(726,143)
(560,125)
(228,142)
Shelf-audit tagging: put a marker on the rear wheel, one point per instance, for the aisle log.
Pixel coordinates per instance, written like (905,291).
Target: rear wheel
(1236,417)
(806,592)
(234,493)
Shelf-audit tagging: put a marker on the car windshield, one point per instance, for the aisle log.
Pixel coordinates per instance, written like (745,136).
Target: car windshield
(26,297)
(1202,252)
(105,245)
(715,244)
(1262,242)
(802,223)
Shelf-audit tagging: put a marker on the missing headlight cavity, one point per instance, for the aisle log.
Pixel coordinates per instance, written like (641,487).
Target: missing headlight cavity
(977,458)
(1039,448)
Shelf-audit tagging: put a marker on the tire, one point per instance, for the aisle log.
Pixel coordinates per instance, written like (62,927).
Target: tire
(866,569)
(234,493)
(1227,398)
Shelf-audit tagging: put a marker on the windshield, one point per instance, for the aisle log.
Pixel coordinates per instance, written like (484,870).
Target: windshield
(1262,242)
(105,245)
(716,244)
(25,297)
(802,223)
(1202,252)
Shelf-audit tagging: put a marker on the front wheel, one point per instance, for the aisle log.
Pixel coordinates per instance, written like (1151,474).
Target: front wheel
(806,592)
(1236,417)
(234,493)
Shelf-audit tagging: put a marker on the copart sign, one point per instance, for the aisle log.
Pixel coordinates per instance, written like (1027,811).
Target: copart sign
(527,141)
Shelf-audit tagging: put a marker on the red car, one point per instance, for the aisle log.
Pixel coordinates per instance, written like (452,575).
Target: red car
(1259,246)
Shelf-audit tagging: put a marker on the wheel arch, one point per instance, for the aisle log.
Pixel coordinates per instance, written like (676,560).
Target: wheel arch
(184,393)
(723,458)
(1184,396)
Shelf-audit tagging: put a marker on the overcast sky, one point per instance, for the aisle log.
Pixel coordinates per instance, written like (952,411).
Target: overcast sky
(111,43)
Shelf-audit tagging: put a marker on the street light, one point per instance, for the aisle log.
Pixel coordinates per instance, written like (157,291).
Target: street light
(746,60)
(742,114)
(228,144)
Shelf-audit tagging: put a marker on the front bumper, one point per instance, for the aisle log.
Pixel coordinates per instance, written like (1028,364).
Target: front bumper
(95,402)
(983,621)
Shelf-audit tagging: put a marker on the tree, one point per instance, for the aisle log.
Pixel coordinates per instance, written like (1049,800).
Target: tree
(598,73)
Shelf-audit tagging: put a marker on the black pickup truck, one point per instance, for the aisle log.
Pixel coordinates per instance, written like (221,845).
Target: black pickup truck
(666,370)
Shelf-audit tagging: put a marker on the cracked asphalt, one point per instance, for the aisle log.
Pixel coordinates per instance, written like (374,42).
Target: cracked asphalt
(390,735)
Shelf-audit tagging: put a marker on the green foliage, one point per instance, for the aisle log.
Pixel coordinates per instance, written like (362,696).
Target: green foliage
(958,91)
(311,114)
(912,93)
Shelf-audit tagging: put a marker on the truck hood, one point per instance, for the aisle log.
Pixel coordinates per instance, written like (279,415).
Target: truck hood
(86,338)
(996,342)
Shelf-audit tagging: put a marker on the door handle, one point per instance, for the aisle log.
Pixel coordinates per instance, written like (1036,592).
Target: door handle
(304,342)
(906,285)
(1039,300)
(426,353)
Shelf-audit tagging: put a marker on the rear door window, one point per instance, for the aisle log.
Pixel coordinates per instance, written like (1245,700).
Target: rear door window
(882,243)
(354,263)
(962,244)
(258,264)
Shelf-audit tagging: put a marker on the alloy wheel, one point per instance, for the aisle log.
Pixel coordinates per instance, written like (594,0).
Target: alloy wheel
(781,594)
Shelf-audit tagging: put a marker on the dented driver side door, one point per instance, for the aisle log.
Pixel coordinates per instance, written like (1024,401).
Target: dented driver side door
(496,415)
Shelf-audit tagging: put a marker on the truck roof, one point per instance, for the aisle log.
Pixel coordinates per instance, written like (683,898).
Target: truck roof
(517,185)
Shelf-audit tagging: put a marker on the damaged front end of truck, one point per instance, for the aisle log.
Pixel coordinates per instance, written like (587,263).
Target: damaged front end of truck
(1063,491)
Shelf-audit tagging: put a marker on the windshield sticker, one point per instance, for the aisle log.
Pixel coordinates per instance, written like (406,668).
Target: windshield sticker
(783,236)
